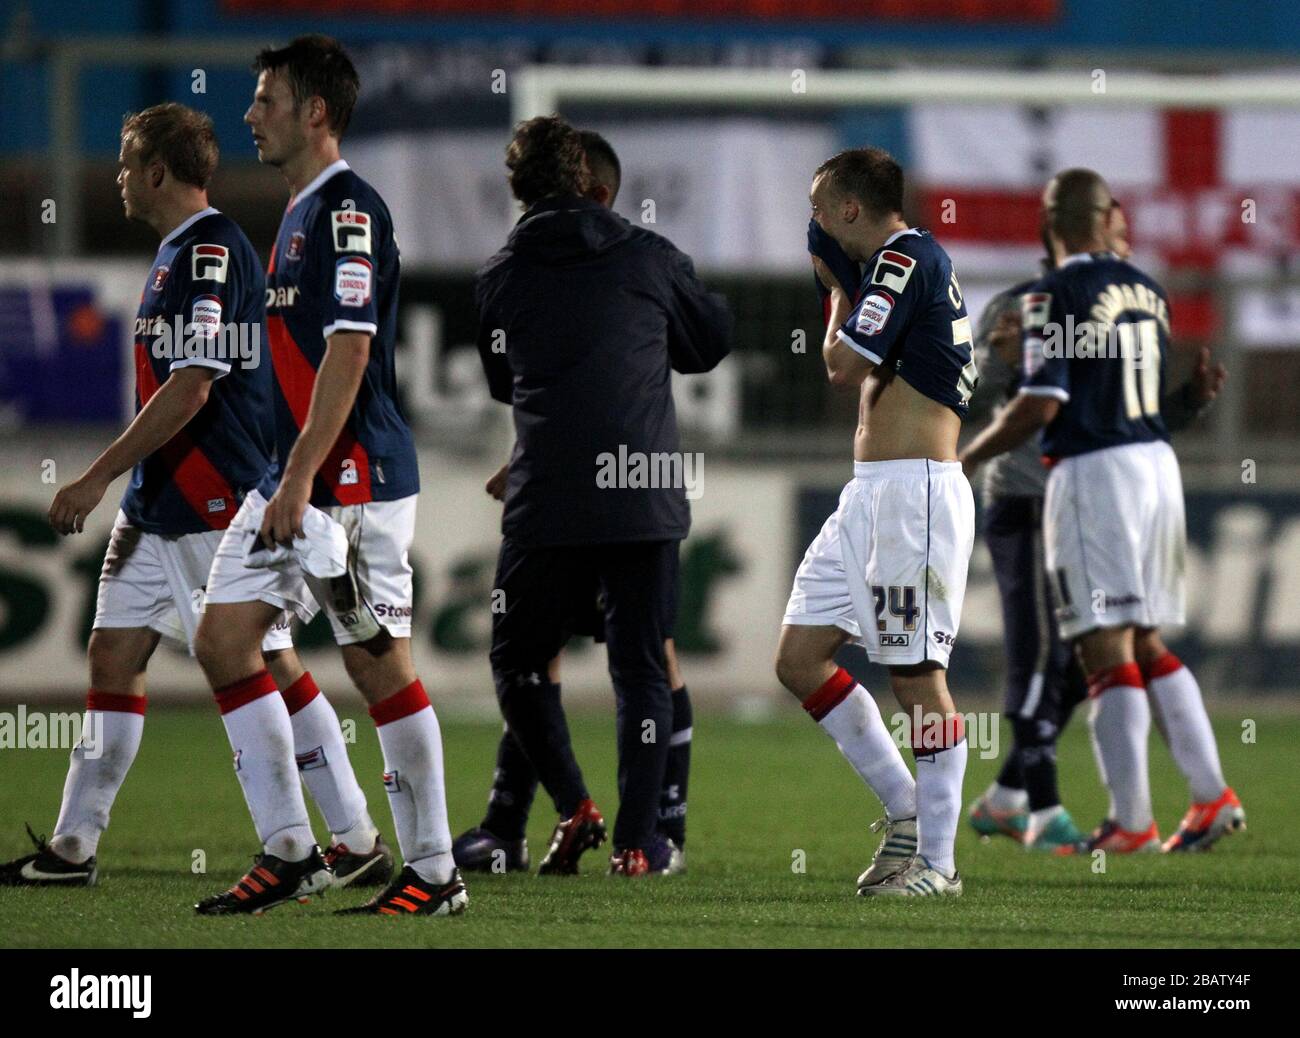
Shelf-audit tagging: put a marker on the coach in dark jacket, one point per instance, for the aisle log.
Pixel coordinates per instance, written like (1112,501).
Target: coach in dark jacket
(583,317)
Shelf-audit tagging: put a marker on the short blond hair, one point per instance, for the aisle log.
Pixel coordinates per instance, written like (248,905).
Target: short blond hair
(181,138)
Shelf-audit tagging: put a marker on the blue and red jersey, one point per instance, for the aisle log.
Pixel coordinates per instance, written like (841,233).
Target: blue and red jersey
(203,305)
(334,268)
(909,318)
(1096,337)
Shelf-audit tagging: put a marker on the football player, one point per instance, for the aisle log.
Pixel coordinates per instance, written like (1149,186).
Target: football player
(1096,341)
(200,441)
(345,448)
(1044,681)
(888,569)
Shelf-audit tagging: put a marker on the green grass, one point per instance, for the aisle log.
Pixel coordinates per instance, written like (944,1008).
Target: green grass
(759,793)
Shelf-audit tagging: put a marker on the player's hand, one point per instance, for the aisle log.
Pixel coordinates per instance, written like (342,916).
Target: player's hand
(1004,339)
(1207,378)
(824,275)
(282,521)
(496,484)
(74,502)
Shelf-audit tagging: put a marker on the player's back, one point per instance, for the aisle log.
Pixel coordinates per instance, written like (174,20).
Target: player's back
(207,281)
(1096,335)
(335,268)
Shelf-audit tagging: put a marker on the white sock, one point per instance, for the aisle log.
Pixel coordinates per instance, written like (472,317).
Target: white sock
(257,724)
(1176,696)
(939,775)
(1040,820)
(1120,721)
(323,763)
(1004,798)
(412,743)
(111,731)
(860,733)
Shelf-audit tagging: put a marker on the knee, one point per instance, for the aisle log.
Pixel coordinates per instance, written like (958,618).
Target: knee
(109,671)
(213,644)
(798,673)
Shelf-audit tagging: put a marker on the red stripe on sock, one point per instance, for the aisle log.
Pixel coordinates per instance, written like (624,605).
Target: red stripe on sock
(300,693)
(1128,675)
(830,695)
(241,693)
(410,700)
(939,733)
(1166,664)
(115,701)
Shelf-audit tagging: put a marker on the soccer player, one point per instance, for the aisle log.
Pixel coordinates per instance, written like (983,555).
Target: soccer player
(345,448)
(1096,339)
(591,315)
(888,568)
(1044,681)
(499,838)
(200,441)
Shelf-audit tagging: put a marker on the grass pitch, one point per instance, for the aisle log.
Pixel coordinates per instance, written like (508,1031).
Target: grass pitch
(762,798)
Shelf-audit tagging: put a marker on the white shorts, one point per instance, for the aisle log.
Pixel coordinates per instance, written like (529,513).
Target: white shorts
(157,582)
(1116,538)
(892,561)
(375,593)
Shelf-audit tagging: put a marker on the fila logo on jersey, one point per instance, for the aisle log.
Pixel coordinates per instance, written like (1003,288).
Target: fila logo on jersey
(351,231)
(893,270)
(352,277)
(209,262)
(873,312)
(1035,308)
(296,242)
(159,277)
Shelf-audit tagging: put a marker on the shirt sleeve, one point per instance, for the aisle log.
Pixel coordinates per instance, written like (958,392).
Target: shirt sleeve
(886,307)
(1046,367)
(491,343)
(349,244)
(699,321)
(208,291)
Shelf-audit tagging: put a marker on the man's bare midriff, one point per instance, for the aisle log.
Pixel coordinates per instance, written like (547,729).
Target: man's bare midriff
(895,421)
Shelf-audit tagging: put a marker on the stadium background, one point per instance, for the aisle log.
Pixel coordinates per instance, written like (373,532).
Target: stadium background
(727,185)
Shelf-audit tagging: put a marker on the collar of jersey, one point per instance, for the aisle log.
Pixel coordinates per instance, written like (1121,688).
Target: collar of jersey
(898,234)
(178,231)
(1082,257)
(321,177)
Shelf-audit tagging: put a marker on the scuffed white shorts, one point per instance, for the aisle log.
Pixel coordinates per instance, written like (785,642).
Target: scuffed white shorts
(157,582)
(889,565)
(376,590)
(1116,538)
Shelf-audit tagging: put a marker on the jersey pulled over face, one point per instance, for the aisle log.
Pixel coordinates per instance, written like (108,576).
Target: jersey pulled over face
(202,306)
(1096,335)
(335,268)
(910,319)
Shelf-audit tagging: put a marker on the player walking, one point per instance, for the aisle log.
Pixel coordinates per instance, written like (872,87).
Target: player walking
(201,439)
(345,448)
(1044,681)
(889,566)
(1096,339)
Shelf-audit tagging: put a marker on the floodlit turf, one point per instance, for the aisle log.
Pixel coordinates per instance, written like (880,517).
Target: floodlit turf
(760,794)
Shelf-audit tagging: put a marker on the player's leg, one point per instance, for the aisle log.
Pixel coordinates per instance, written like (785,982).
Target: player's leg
(1120,723)
(527,633)
(1010,528)
(134,604)
(113,723)
(1095,502)
(819,619)
(639,583)
(357,853)
(677,773)
(1180,715)
(228,647)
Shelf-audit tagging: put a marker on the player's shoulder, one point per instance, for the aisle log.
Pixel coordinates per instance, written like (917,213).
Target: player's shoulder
(214,246)
(911,257)
(347,190)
